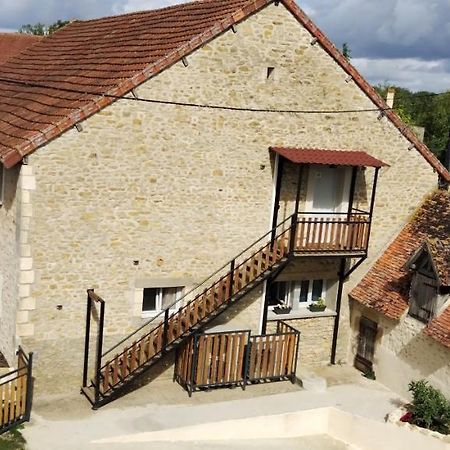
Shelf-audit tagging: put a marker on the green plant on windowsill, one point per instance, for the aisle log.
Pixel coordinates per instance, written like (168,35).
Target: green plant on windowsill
(318,306)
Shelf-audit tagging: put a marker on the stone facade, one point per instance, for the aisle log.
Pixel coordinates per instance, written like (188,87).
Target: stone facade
(181,190)
(316,335)
(9,262)
(403,353)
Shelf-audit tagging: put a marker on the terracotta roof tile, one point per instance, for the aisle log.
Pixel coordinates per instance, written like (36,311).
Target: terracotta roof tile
(385,287)
(334,157)
(110,56)
(11,44)
(439,328)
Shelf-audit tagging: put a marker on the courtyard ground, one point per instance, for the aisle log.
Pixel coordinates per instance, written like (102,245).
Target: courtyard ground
(68,423)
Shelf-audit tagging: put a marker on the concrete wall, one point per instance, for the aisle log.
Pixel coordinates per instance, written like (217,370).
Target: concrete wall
(403,353)
(9,263)
(182,190)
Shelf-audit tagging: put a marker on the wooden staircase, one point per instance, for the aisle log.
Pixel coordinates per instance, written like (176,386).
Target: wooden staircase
(266,257)
(167,330)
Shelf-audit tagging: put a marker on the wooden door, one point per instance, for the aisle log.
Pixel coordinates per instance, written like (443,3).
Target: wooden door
(366,344)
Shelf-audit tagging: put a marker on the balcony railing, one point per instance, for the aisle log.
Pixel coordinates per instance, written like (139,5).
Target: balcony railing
(332,233)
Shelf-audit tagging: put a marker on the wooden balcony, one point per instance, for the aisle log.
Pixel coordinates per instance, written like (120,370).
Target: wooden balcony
(337,234)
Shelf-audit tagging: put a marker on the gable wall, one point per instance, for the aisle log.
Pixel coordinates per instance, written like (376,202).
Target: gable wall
(183,190)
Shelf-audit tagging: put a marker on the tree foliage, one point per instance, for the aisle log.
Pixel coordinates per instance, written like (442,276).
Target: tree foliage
(429,408)
(346,51)
(424,109)
(41,29)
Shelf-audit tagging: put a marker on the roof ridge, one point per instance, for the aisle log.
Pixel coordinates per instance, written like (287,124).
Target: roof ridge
(143,11)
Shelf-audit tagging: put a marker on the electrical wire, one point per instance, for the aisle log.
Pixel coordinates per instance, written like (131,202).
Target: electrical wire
(194,105)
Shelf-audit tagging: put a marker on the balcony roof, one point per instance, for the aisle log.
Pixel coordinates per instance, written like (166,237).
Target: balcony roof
(328,157)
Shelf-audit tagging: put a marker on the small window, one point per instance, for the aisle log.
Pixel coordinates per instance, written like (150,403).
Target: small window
(297,294)
(155,300)
(423,297)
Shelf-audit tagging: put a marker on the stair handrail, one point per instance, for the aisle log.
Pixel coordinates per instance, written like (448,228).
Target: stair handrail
(227,264)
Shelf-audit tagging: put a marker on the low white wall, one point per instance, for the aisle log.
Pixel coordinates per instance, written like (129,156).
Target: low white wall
(359,432)
(369,434)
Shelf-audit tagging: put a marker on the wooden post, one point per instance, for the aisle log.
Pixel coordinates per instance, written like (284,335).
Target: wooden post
(299,185)
(29,395)
(338,310)
(165,330)
(86,338)
(352,191)
(98,361)
(276,205)
(372,205)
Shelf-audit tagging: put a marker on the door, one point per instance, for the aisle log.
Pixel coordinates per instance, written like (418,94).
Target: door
(366,344)
(327,202)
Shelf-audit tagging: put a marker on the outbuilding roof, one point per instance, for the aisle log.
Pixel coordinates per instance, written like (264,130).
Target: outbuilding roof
(385,288)
(84,66)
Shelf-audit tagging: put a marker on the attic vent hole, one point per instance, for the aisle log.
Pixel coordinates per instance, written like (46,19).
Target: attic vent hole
(270,73)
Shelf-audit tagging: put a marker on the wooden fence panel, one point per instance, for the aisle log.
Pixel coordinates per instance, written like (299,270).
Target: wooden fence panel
(15,392)
(235,357)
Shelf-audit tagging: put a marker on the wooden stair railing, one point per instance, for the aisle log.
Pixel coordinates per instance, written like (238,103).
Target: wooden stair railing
(208,299)
(140,352)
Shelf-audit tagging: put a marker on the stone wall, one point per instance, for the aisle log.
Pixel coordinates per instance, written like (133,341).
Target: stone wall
(315,340)
(9,263)
(182,190)
(403,353)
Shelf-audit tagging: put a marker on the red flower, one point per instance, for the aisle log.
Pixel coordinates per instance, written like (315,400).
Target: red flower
(407,417)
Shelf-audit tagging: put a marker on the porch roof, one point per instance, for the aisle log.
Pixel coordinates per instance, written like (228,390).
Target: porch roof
(328,157)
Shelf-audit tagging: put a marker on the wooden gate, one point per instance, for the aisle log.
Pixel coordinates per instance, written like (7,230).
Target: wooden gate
(274,356)
(237,358)
(16,393)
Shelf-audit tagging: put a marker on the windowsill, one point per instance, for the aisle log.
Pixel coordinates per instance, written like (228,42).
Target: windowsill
(151,314)
(303,313)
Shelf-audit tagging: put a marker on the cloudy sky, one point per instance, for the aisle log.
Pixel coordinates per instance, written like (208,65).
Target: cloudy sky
(402,42)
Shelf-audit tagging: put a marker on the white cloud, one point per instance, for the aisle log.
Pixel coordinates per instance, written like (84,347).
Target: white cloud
(141,5)
(412,73)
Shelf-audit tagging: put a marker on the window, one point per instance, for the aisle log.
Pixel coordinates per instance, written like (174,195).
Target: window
(155,300)
(423,296)
(297,294)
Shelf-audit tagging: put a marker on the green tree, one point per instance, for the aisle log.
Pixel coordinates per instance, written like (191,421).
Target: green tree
(346,51)
(424,109)
(41,29)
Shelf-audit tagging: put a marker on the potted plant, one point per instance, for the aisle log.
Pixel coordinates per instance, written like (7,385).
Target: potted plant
(318,306)
(282,308)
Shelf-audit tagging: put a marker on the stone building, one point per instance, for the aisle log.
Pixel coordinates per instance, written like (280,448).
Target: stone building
(401,308)
(142,152)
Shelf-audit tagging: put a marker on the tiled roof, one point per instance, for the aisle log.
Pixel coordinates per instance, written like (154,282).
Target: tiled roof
(12,44)
(440,253)
(385,287)
(439,328)
(334,157)
(111,56)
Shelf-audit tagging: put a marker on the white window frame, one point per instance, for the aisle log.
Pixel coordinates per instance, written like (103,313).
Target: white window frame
(294,289)
(159,300)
